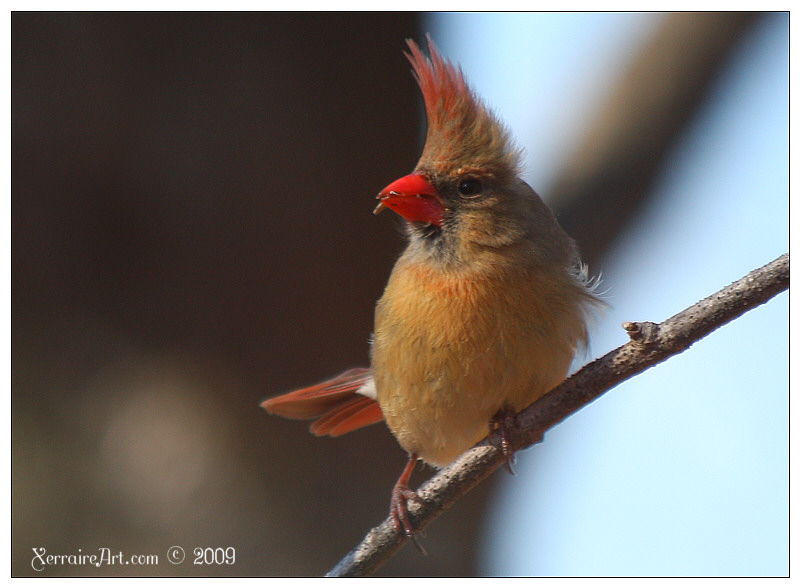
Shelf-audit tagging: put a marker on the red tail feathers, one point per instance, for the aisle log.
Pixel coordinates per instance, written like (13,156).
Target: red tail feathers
(339,405)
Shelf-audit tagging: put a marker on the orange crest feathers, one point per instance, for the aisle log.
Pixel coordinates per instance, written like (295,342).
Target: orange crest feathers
(462,132)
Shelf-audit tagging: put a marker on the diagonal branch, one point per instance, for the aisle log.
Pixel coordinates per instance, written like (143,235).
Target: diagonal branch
(650,344)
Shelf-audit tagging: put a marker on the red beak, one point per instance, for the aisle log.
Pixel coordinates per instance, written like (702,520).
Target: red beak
(413,198)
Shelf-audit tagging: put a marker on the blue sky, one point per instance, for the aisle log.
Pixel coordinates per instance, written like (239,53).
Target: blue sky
(684,469)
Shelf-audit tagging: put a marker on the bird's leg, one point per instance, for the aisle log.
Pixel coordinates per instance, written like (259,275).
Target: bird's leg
(401,494)
(501,431)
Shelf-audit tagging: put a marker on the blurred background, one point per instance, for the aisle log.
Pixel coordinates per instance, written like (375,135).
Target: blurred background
(192,233)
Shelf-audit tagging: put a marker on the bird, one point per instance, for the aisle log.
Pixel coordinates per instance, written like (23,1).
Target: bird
(483,312)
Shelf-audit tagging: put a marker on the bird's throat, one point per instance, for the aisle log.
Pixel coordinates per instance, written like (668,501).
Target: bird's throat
(427,231)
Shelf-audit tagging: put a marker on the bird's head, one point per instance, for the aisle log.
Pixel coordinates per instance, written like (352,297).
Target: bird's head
(466,186)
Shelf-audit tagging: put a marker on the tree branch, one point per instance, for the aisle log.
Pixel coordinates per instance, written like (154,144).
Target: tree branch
(650,344)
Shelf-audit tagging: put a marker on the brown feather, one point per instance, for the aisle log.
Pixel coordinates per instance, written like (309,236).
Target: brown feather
(317,400)
(460,127)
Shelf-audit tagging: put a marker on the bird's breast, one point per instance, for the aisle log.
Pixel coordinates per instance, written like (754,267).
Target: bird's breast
(451,348)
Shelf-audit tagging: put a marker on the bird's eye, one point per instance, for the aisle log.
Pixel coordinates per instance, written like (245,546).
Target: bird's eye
(469,187)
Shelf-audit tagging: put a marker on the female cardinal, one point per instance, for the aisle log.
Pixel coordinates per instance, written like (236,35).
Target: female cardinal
(485,308)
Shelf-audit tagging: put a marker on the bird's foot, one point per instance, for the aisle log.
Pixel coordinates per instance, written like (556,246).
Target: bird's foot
(401,495)
(501,434)
(402,522)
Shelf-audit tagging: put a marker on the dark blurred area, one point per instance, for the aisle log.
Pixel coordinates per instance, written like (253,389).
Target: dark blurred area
(193,232)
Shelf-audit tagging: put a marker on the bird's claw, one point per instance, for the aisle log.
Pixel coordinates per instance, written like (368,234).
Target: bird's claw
(501,432)
(401,495)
